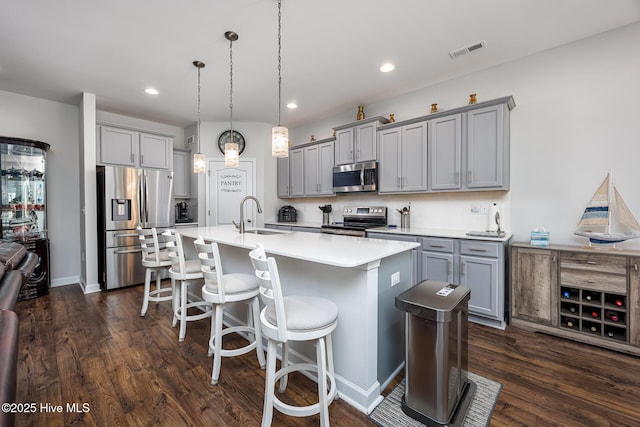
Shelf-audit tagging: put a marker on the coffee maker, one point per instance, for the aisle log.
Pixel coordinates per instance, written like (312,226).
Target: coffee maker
(182,211)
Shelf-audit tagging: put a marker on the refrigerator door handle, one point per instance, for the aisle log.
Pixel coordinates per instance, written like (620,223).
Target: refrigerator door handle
(140,201)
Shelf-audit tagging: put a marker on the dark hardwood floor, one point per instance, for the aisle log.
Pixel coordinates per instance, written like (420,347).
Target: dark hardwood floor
(131,371)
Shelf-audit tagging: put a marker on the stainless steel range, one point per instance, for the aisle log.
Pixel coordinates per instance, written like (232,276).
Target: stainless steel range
(356,221)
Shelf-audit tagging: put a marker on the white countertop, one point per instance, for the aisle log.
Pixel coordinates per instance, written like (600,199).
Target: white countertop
(335,250)
(438,232)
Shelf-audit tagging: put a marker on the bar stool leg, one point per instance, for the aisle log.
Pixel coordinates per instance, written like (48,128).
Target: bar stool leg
(330,368)
(183,309)
(267,415)
(147,289)
(255,310)
(176,302)
(217,342)
(284,363)
(321,356)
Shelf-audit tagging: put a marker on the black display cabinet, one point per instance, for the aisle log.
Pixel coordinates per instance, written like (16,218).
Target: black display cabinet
(23,185)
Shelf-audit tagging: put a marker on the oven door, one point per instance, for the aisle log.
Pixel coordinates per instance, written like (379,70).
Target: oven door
(356,177)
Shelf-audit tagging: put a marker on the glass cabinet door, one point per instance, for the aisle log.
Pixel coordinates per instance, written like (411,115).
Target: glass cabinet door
(23,185)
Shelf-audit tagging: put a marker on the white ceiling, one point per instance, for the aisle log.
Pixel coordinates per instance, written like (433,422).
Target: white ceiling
(331,50)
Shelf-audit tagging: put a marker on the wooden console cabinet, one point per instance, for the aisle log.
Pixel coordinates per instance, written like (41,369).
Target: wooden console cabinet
(590,295)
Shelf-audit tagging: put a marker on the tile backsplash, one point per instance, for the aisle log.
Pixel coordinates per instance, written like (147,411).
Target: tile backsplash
(458,211)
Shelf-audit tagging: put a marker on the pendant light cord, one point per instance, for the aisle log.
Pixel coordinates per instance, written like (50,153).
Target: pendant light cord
(231,88)
(198,109)
(279,59)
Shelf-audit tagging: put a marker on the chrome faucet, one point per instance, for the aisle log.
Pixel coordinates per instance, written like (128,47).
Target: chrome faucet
(240,227)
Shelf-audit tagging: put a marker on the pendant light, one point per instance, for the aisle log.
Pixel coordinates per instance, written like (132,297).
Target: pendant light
(279,134)
(231,155)
(199,159)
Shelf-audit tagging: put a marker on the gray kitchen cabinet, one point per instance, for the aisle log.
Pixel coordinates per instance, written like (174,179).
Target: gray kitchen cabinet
(181,173)
(482,271)
(126,147)
(284,183)
(357,142)
(318,169)
(445,153)
(403,159)
(439,259)
(487,148)
(296,172)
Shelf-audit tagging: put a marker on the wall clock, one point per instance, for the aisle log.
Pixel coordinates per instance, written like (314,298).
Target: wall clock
(226,137)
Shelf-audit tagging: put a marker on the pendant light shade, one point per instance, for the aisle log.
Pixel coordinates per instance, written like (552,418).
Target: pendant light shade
(280,141)
(231,149)
(199,159)
(279,134)
(231,154)
(199,163)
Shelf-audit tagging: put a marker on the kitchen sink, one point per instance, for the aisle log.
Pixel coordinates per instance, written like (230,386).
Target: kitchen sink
(265,231)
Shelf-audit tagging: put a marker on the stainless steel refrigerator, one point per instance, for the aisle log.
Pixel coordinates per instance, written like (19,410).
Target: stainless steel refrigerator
(129,197)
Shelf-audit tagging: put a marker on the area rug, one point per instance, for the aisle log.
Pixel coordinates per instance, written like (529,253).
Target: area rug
(389,413)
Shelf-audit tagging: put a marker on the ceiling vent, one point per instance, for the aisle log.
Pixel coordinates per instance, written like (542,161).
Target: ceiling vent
(467,49)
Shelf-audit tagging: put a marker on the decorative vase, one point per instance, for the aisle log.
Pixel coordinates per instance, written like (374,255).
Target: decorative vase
(360,115)
(434,108)
(472,99)
(392,118)
(313,138)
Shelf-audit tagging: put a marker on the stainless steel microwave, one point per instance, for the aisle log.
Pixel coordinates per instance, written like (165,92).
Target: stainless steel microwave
(355,177)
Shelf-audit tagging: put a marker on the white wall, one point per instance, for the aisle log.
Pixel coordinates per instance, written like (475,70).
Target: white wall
(258,146)
(576,116)
(56,124)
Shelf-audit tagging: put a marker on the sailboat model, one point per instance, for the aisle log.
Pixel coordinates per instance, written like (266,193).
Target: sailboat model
(596,220)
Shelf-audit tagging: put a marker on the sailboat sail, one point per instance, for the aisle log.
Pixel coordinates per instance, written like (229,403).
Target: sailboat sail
(599,214)
(623,213)
(597,211)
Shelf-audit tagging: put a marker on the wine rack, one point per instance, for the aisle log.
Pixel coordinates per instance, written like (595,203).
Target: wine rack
(593,312)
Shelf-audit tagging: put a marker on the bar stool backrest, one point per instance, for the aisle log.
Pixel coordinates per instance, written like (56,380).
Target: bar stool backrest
(209,255)
(270,288)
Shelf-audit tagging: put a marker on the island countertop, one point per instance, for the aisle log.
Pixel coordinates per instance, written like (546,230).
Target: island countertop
(330,249)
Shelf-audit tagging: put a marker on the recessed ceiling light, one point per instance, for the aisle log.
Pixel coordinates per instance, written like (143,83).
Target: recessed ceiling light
(151,91)
(292,105)
(385,68)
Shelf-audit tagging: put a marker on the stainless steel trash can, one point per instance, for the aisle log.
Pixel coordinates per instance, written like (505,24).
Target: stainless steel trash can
(437,388)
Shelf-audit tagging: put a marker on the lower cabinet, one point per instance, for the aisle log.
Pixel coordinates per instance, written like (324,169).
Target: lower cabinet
(588,295)
(476,264)
(482,270)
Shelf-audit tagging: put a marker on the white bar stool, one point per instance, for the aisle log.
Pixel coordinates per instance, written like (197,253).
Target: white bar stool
(220,290)
(294,318)
(186,272)
(154,260)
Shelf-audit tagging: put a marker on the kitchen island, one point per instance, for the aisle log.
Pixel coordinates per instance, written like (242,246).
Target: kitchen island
(356,274)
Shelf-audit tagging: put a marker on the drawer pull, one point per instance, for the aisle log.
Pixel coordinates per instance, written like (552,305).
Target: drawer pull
(477,250)
(436,246)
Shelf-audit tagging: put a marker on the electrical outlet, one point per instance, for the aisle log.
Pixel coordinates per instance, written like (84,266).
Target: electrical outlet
(395,278)
(479,209)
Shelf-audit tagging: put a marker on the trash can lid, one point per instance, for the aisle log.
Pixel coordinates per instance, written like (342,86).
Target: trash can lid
(433,300)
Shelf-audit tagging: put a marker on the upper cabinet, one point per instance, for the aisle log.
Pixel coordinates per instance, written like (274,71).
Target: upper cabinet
(125,147)
(487,148)
(468,148)
(357,142)
(308,171)
(403,159)
(318,168)
(181,173)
